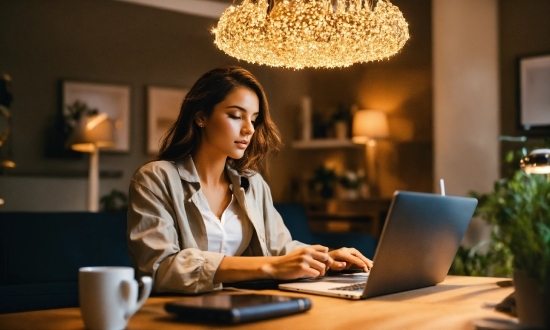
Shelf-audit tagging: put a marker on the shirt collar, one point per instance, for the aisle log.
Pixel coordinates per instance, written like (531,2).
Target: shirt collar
(188,172)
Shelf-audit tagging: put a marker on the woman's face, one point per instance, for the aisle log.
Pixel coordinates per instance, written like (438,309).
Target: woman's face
(229,129)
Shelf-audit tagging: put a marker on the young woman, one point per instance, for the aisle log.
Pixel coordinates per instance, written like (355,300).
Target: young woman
(200,215)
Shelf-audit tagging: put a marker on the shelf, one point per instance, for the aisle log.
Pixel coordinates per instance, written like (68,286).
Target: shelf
(324,144)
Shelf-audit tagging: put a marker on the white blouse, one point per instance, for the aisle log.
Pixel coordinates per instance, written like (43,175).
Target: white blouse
(229,235)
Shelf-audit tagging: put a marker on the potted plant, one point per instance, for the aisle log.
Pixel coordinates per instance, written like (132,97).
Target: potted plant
(115,201)
(323,181)
(350,184)
(519,209)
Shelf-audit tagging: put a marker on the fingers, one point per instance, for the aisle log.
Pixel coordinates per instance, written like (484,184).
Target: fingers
(366,260)
(339,265)
(351,257)
(329,264)
(320,259)
(318,248)
(310,261)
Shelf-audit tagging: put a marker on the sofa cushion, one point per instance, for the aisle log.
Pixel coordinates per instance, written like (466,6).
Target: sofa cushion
(295,219)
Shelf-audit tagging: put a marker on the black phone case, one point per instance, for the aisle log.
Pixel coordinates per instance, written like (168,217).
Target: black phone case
(235,308)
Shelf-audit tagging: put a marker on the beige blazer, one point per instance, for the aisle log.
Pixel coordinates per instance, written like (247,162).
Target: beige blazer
(166,233)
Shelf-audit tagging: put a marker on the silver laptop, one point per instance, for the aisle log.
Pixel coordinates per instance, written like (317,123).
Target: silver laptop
(419,240)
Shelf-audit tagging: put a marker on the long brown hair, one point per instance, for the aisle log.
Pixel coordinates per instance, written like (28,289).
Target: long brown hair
(184,137)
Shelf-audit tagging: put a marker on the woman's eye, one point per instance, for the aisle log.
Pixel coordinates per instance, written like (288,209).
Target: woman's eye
(234,117)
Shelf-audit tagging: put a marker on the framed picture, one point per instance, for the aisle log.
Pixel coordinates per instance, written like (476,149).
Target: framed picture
(163,107)
(113,100)
(534,92)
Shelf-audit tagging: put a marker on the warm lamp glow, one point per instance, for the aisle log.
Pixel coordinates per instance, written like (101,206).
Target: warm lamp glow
(369,125)
(311,33)
(92,132)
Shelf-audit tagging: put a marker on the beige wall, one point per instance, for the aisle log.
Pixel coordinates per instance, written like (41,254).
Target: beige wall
(466,94)
(466,100)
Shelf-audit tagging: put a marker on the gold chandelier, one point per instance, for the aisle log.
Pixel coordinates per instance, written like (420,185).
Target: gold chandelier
(311,33)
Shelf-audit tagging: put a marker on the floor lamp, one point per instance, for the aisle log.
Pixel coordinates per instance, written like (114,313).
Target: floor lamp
(91,133)
(368,127)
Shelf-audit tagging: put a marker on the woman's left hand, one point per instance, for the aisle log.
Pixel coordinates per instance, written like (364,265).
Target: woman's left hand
(344,258)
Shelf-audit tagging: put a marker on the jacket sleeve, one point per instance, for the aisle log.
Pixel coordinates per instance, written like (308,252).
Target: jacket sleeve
(154,243)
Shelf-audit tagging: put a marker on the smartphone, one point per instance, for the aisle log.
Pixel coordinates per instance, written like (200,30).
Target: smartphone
(226,308)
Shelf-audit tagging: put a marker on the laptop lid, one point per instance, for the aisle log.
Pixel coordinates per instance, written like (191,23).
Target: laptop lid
(418,243)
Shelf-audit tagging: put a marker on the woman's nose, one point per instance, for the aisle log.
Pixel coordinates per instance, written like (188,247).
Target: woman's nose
(248,128)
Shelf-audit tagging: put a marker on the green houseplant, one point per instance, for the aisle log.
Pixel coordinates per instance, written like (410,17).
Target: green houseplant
(323,181)
(519,209)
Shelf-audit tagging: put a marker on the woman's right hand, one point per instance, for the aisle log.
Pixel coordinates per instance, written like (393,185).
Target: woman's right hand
(311,261)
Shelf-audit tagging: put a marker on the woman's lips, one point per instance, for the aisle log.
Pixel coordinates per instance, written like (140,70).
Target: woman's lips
(241,144)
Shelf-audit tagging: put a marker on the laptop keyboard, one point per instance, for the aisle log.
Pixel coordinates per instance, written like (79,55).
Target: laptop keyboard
(352,287)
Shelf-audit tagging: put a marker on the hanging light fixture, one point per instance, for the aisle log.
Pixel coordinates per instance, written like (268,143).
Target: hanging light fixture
(311,33)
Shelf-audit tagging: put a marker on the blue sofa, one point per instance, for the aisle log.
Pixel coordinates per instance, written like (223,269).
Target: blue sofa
(40,252)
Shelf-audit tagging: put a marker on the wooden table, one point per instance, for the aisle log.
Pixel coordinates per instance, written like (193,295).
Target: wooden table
(458,303)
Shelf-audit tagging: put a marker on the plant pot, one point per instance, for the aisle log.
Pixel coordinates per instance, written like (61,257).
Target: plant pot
(531,302)
(349,194)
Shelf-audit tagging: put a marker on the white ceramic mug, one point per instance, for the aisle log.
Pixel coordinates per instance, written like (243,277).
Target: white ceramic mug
(108,296)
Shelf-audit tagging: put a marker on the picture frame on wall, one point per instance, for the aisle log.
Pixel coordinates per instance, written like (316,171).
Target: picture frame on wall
(111,99)
(534,93)
(163,108)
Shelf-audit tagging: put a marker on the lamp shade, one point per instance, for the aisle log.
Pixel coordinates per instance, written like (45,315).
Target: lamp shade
(92,131)
(369,125)
(537,162)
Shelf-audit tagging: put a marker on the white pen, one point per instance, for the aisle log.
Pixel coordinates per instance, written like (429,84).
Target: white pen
(442,187)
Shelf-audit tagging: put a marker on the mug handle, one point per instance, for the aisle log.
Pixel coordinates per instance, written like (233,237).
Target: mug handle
(134,307)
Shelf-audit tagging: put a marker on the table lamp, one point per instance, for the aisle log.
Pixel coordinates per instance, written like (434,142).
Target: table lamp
(91,133)
(368,127)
